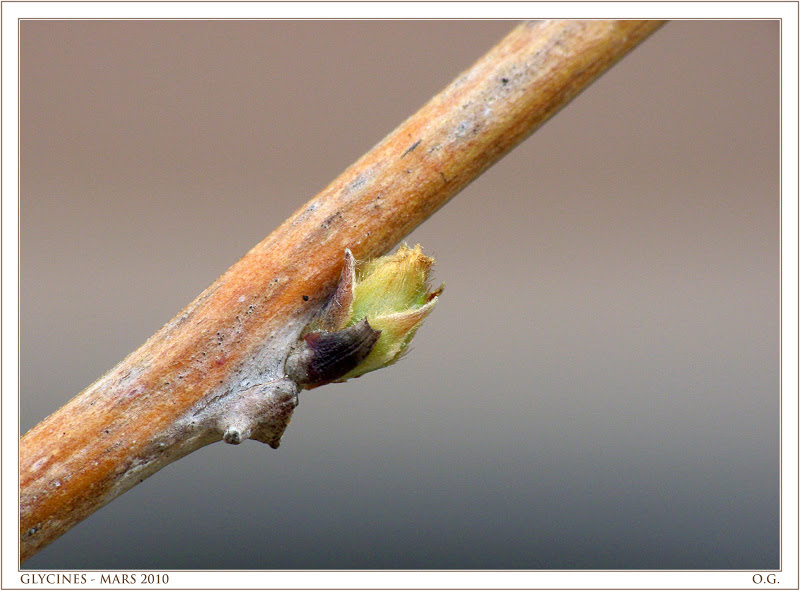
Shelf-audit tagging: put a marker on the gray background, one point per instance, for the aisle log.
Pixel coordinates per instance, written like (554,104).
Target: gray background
(598,387)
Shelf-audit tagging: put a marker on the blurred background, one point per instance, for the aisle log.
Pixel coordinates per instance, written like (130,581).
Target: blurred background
(598,386)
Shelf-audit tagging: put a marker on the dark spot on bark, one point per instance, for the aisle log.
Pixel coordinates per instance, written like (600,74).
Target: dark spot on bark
(411,149)
(305,298)
(326,224)
(505,81)
(232,436)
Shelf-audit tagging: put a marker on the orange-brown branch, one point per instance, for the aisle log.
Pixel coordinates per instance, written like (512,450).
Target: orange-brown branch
(220,361)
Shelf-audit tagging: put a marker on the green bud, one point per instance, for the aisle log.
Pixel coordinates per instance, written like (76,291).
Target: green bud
(369,320)
(393,295)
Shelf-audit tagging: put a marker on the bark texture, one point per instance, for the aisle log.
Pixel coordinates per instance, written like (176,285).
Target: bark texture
(217,369)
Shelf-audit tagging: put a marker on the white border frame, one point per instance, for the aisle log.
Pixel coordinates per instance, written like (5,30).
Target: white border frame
(786,578)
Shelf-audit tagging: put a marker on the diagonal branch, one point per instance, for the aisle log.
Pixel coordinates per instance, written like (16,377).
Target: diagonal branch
(217,368)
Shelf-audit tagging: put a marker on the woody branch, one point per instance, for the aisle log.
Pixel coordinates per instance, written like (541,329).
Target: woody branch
(218,366)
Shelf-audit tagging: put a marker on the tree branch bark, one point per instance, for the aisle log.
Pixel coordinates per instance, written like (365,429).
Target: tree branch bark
(218,365)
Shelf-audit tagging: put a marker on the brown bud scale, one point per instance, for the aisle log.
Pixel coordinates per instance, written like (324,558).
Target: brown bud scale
(323,357)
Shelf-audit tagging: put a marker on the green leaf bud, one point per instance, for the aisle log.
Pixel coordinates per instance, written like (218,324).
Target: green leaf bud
(392,293)
(369,320)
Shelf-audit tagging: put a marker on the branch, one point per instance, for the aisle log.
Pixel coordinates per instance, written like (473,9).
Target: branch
(218,366)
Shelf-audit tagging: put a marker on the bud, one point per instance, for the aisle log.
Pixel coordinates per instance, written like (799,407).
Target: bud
(392,294)
(368,322)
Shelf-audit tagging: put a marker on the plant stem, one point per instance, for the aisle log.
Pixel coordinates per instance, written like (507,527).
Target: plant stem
(216,369)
